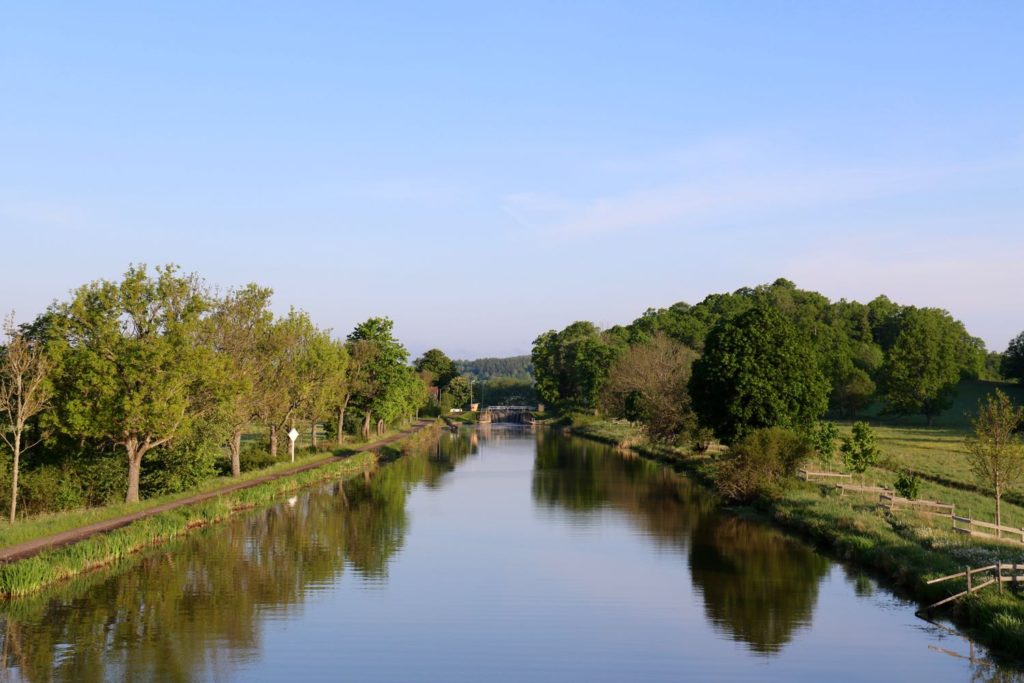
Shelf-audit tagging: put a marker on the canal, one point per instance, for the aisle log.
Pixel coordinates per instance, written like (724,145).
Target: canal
(499,554)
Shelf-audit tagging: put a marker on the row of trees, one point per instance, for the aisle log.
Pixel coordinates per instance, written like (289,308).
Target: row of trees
(768,356)
(159,363)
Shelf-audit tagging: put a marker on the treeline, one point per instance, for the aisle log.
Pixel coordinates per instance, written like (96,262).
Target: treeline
(158,368)
(483,369)
(768,356)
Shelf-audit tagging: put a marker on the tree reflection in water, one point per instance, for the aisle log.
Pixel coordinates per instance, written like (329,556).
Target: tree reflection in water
(757,584)
(192,608)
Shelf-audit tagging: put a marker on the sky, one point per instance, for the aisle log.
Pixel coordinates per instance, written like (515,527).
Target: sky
(483,172)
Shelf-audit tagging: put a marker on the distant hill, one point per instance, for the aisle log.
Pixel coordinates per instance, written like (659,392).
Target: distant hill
(516,367)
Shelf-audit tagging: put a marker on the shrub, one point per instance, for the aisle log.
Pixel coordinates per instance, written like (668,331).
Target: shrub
(761,463)
(908,485)
(104,478)
(50,488)
(177,469)
(702,438)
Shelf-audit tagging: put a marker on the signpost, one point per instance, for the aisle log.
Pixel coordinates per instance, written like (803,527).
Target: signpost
(292,435)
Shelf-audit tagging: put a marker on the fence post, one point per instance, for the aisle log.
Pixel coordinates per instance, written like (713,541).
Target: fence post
(999,576)
(968,579)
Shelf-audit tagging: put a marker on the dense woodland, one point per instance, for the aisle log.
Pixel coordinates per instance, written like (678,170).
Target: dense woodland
(153,383)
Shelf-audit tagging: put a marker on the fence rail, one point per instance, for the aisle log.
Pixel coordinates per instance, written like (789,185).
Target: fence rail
(971,574)
(807,474)
(855,488)
(968,524)
(933,507)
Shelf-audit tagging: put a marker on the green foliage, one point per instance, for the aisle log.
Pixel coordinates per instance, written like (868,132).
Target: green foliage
(757,372)
(924,364)
(483,369)
(761,464)
(859,449)
(995,451)
(571,365)
(824,439)
(439,365)
(908,485)
(1012,362)
(507,391)
(458,392)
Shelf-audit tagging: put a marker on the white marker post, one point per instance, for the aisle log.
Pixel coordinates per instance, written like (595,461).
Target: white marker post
(292,435)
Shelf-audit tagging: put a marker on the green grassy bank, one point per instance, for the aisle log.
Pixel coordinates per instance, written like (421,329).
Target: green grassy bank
(904,548)
(51,566)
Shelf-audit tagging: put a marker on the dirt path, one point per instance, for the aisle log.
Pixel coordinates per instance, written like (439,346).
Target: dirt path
(20,551)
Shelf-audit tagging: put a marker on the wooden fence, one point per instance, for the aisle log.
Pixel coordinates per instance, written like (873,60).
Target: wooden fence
(855,488)
(807,474)
(982,577)
(931,507)
(966,525)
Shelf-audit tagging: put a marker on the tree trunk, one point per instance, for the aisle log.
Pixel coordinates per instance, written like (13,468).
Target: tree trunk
(366,425)
(312,434)
(135,454)
(273,441)
(999,511)
(14,475)
(236,452)
(341,424)
(380,427)
(928,417)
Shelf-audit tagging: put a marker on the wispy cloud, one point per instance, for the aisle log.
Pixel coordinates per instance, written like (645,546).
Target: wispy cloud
(687,204)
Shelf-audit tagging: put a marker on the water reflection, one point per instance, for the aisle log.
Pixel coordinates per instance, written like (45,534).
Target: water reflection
(757,584)
(190,609)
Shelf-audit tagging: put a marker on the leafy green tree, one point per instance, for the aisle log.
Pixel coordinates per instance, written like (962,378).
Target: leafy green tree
(439,365)
(757,372)
(459,391)
(859,449)
(570,366)
(825,436)
(1012,363)
(922,368)
(854,392)
(25,392)
(995,451)
(239,330)
(384,367)
(129,366)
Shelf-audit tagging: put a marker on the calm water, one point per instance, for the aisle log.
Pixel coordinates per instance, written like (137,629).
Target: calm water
(501,555)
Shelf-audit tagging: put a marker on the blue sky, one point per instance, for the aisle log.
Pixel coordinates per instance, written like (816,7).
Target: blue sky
(483,172)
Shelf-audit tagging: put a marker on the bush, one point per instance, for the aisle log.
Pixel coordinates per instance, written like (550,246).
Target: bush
(104,478)
(50,488)
(177,469)
(908,485)
(761,464)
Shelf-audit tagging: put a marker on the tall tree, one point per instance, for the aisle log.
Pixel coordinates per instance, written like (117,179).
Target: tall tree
(24,393)
(995,451)
(570,366)
(757,372)
(239,329)
(439,365)
(129,365)
(384,368)
(649,384)
(922,368)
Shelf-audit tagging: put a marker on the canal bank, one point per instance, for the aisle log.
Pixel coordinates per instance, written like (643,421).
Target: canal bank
(871,538)
(36,563)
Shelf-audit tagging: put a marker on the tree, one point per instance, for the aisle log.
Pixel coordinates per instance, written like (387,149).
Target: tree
(859,450)
(439,365)
(649,384)
(24,393)
(570,366)
(995,451)
(1012,363)
(240,327)
(384,367)
(853,392)
(923,366)
(825,436)
(459,391)
(129,365)
(757,372)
